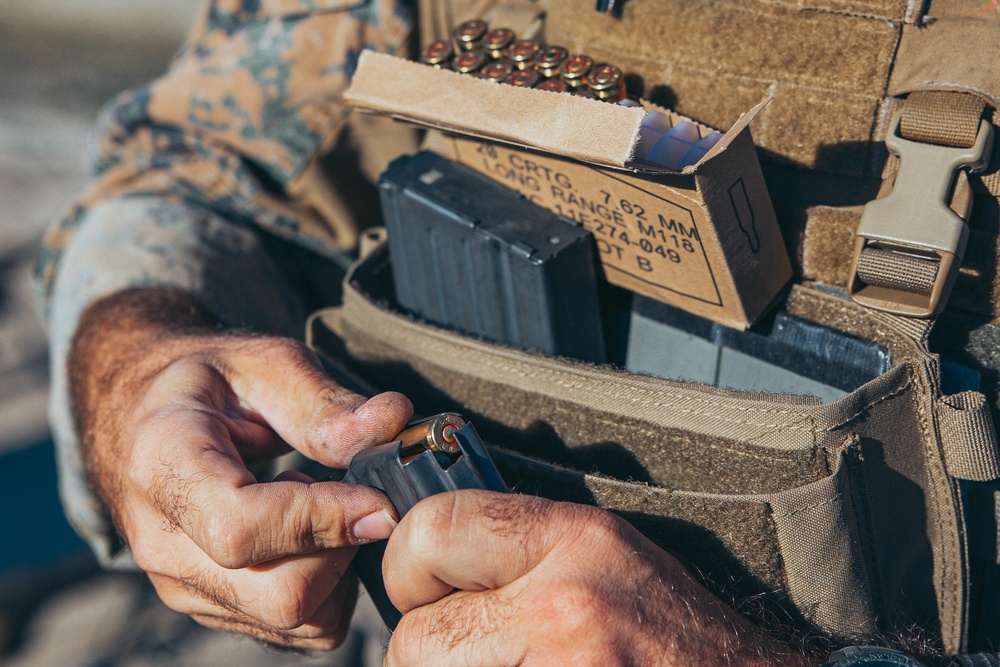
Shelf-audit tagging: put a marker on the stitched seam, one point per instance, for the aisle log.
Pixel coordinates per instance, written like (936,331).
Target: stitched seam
(927,425)
(677,407)
(428,341)
(842,12)
(583,385)
(868,406)
(822,503)
(553,378)
(807,81)
(807,423)
(646,402)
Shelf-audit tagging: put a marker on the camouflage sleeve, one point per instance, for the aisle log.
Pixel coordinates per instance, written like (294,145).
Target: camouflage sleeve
(190,167)
(241,114)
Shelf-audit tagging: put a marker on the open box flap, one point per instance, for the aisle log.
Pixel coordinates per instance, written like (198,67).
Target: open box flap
(597,133)
(575,127)
(735,131)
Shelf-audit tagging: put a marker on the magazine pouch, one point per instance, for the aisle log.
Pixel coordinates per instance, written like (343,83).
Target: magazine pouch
(842,521)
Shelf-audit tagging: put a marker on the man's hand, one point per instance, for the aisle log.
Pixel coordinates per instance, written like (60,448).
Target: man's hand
(172,412)
(542,583)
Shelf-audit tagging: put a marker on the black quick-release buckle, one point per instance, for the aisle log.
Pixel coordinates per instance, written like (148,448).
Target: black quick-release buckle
(910,243)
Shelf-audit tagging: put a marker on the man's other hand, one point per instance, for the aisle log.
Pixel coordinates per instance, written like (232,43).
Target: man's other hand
(172,411)
(492,580)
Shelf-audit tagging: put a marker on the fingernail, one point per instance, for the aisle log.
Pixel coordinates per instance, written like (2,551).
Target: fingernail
(376,526)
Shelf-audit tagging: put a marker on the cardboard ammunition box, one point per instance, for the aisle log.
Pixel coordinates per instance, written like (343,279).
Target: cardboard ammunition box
(704,239)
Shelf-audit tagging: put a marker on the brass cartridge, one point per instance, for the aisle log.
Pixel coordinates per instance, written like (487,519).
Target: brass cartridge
(547,60)
(521,52)
(467,62)
(496,41)
(468,35)
(435,434)
(606,81)
(574,70)
(437,54)
(553,85)
(497,71)
(525,78)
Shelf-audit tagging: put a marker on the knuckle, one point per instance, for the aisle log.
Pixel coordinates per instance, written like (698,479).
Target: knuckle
(580,617)
(137,466)
(292,606)
(330,402)
(430,525)
(144,556)
(332,398)
(279,350)
(324,644)
(597,527)
(228,543)
(596,541)
(580,610)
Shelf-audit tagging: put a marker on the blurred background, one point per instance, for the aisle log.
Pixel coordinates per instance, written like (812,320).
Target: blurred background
(60,61)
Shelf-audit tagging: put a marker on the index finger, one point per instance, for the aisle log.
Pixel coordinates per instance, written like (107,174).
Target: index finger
(189,470)
(282,381)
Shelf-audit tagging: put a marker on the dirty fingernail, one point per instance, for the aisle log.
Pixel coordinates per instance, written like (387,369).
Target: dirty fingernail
(376,526)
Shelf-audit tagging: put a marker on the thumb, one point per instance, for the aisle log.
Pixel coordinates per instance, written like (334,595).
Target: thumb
(281,380)
(472,540)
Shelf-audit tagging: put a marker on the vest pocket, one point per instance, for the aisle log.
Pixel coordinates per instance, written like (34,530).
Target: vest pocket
(771,501)
(796,561)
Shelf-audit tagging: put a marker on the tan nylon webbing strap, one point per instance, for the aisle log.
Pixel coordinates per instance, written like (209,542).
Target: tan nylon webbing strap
(890,269)
(916,330)
(967,436)
(949,119)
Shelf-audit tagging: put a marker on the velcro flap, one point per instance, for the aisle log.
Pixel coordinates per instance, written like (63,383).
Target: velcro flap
(968,437)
